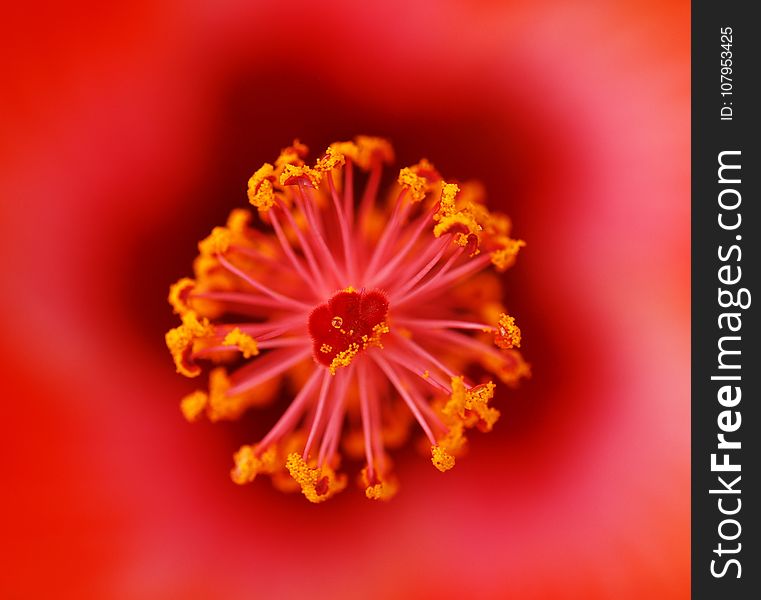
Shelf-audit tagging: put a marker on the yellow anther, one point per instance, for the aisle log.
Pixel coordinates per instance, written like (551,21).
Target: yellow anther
(462,219)
(383,490)
(425,168)
(260,189)
(198,327)
(472,405)
(292,155)
(415,185)
(180,341)
(224,406)
(292,173)
(238,221)
(217,242)
(336,322)
(379,487)
(193,405)
(371,149)
(454,440)
(178,295)
(508,334)
(447,203)
(335,156)
(505,256)
(441,459)
(245,343)
(510,367)
(248,464)
(317,484)
(449,216)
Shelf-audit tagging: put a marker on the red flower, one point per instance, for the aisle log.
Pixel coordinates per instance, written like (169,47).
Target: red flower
(129,129)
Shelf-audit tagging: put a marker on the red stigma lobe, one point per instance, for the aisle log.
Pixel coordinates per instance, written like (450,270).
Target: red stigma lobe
(346,322)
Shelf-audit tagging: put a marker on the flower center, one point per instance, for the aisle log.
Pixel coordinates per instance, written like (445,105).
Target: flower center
(347,324)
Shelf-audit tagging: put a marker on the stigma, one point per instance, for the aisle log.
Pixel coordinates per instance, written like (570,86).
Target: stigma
(346,325)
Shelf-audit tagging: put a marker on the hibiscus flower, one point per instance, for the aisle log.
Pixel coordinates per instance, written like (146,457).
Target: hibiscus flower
(131,129)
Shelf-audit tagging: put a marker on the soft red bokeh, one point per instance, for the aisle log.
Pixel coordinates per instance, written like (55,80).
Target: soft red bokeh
(130,130)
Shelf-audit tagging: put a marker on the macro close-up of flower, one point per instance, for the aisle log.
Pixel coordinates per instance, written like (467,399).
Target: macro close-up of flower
(395,239)
(365,308)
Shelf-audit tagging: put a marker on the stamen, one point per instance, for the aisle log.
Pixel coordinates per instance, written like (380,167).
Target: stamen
(435,284)
(260,190)
(443,324)
(344,226)
(364,404)
(180,294)
(270,365)
(420,274)
(244,342)
(193,405)
(249,463)
(404,251)
(333,427)
(507,334)
(317,423)
(391,374)
(314,231)
(317,484)
(289,418)
(259,286)
(305,246)
(441,459)
(239,298)
(400,209)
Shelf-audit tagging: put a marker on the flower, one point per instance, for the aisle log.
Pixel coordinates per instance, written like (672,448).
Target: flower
(379,312)
(147,140)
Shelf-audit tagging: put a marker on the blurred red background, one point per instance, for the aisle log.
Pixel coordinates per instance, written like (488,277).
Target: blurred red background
(130,130)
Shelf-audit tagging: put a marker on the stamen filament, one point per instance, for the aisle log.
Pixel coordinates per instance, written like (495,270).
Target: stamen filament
(415,369)
(344,227)
(464,340)
(409,284)
(423,353)
(402,254)
(311,280)
(333,428)
(291,415)
(259,286)
(239,298)
(364,407)
(435,284)
(388,233)
(270,365)
(394,378)
(349,190)
(368,198)
(305,205)
(305,246)
(445,324)
(414,265)
(316,423)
